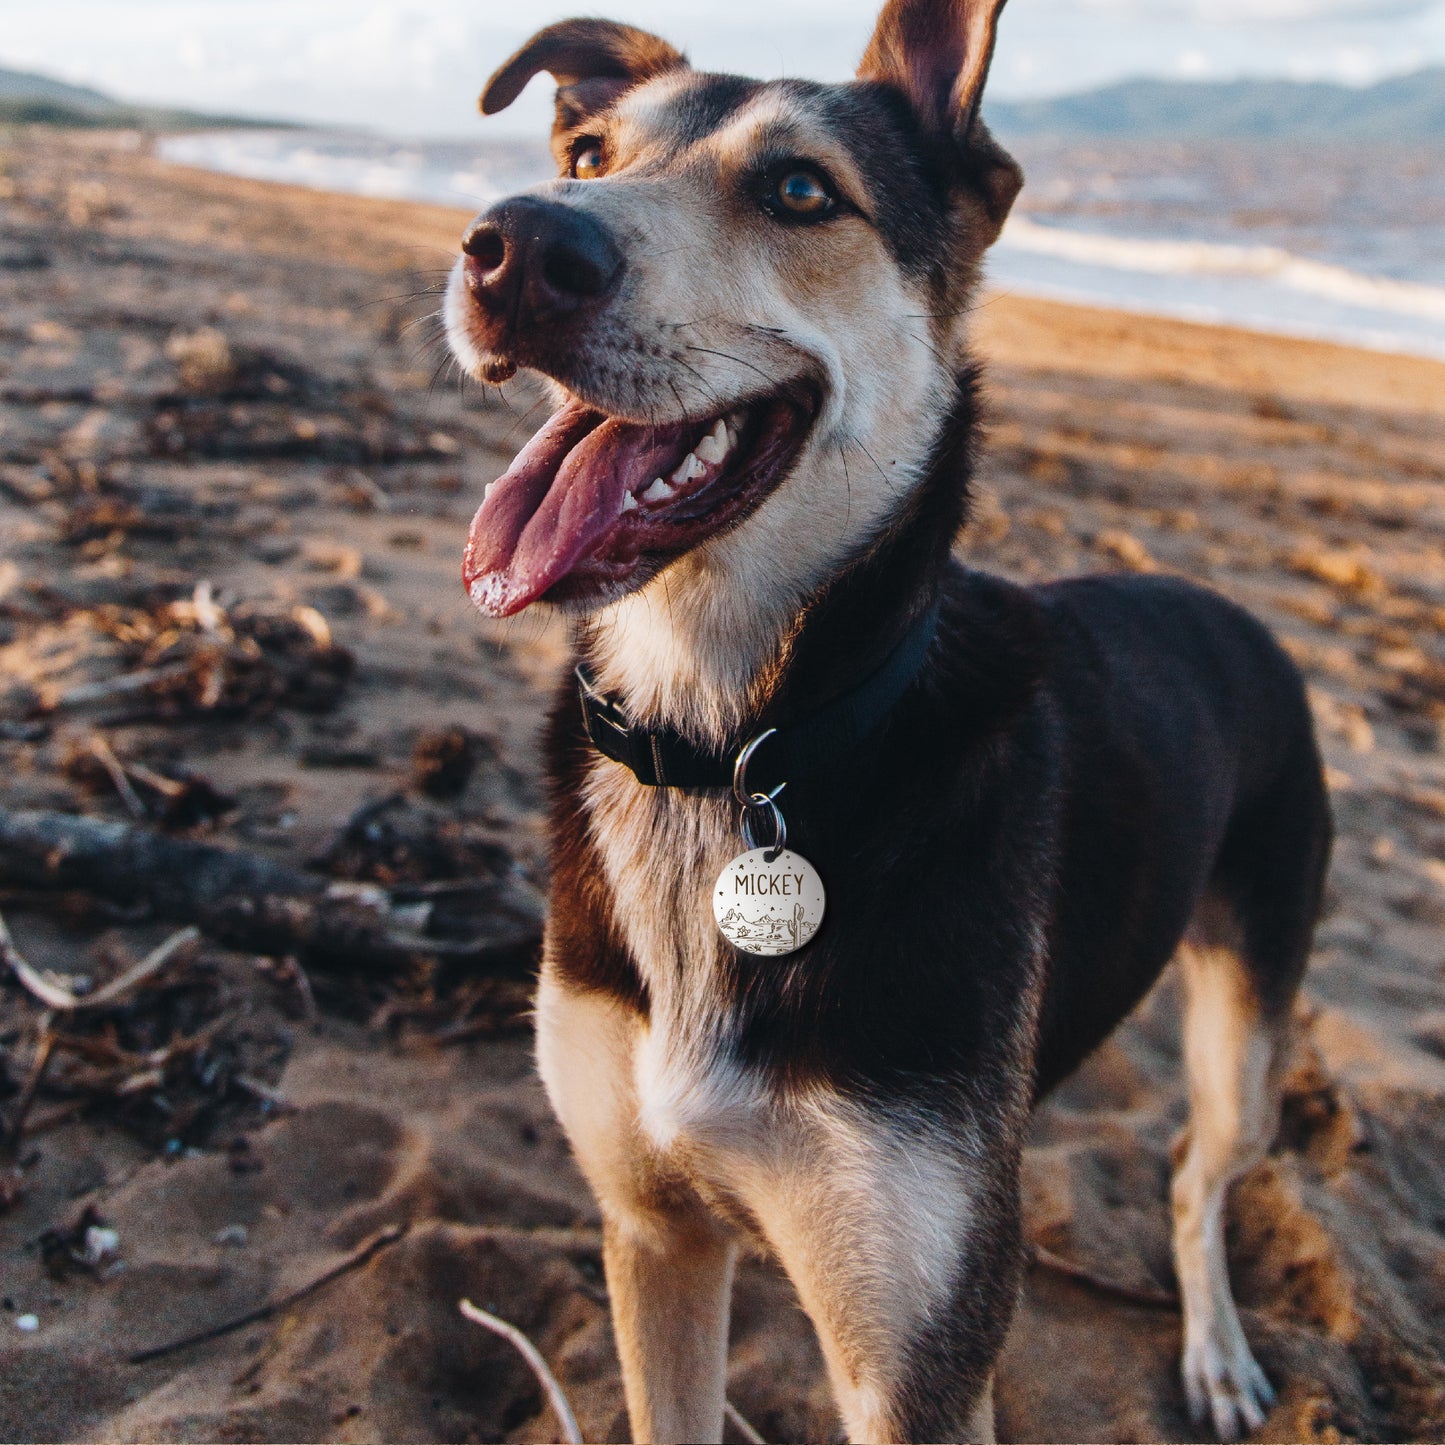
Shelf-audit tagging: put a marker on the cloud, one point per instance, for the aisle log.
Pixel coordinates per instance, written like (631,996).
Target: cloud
(415,66)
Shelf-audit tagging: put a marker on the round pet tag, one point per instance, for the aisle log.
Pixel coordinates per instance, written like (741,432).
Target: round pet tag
(768,903)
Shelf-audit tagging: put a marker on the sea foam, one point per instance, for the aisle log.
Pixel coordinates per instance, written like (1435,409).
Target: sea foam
(1205,258)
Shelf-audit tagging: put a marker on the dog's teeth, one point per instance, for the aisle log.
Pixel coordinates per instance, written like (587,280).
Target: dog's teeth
(488,490)
(629,502)
(714,446)
(659,491)
(688,468)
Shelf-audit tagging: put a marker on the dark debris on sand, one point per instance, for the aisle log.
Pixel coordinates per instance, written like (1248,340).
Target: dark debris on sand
(194,631)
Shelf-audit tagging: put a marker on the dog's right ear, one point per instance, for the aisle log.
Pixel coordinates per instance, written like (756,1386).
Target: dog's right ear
(592,61)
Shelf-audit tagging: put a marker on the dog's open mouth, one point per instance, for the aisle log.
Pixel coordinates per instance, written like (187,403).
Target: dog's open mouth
(593,503)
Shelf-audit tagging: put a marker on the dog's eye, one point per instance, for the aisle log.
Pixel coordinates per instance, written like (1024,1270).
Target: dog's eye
(800,194)
(587,159)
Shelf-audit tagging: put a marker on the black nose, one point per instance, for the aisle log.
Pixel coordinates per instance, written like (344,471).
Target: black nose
(530,259)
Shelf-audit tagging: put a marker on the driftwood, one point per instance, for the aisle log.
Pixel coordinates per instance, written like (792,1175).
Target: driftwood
(1038,1257)
(556,1396)
(56,995)
(247,901)
(358,1257)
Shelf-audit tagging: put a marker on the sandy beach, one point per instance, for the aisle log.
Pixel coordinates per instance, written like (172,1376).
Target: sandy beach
(235,466)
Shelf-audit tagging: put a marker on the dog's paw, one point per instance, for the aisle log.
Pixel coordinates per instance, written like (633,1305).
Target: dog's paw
(1224,1384)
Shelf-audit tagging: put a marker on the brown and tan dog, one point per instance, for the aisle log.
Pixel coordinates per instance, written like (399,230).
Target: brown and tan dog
(751,300)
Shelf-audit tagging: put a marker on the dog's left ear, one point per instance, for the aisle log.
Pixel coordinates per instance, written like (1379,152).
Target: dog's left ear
(937,52)
(592,61)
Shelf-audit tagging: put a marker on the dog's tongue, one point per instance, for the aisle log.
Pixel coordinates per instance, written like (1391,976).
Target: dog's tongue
(557,501)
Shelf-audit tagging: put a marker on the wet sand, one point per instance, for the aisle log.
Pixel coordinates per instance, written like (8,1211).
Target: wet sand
(204,379)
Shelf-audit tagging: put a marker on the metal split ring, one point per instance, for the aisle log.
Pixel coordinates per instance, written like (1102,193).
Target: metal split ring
(765,802)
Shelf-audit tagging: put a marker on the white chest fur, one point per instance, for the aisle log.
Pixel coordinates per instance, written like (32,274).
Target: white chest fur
(661,850)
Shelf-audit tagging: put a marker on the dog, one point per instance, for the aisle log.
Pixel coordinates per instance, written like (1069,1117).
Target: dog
(750,300)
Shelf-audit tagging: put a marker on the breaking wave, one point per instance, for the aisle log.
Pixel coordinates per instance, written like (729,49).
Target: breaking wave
(1204,258)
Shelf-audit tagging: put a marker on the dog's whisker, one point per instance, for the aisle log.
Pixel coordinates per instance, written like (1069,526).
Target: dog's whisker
(693,321)
(967,310)
(937,355)
(672,251)
(705,389)
(887,480)
(676,396)
(432,317)
(524,418)
(426,295)
(667,597)
(443,367)
(736,360)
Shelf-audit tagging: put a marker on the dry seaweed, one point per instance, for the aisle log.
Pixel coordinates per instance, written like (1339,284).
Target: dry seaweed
(190,657)
(177,799)
(250,403)
(442,763)
(398,840)
(164,1048)
(88,1246)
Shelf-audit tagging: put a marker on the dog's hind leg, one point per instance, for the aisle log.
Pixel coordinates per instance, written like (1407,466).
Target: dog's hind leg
(1242,960)
(1233,1046)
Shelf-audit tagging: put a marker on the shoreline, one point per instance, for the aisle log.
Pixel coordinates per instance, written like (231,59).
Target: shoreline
(1431,375)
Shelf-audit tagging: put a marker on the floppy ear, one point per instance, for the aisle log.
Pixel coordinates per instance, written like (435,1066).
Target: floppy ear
(592,61)
(937,52)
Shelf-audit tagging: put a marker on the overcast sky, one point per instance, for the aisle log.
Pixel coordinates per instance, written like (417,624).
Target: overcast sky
(415,66)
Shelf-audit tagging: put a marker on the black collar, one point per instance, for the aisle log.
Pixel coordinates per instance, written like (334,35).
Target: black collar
(663,758)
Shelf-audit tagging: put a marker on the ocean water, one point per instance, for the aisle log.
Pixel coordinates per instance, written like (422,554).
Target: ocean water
(1343,243)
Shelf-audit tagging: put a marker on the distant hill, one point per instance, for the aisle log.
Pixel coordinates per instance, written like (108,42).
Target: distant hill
(30,99)
(1408,108)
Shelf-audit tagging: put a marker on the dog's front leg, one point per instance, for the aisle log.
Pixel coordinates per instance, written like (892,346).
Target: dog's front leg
(902,1239)
(670,1279)
(669,1261)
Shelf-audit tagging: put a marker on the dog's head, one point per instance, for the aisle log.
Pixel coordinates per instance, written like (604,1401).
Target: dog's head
(749,296)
